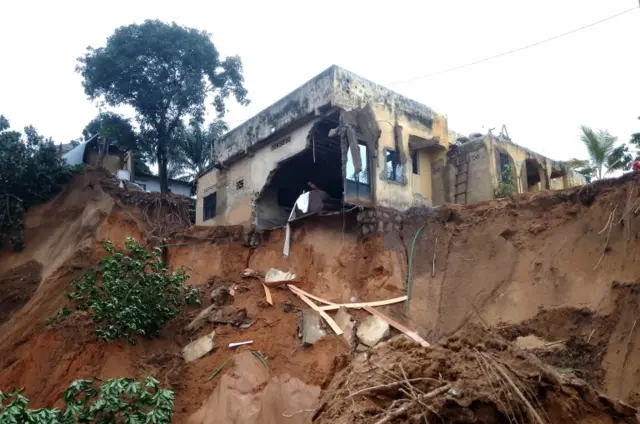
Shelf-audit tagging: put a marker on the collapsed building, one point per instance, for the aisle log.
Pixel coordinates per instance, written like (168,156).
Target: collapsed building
(358,144)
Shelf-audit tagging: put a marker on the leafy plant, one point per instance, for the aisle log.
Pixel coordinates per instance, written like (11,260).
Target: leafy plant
(31,172)
(603,155)
(505,187)
(132,292)
(121,400)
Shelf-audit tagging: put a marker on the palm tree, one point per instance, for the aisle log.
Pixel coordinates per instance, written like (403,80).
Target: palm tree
(600,146)
(192,153)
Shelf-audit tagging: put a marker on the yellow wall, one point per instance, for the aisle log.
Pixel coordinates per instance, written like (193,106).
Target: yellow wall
(402,196)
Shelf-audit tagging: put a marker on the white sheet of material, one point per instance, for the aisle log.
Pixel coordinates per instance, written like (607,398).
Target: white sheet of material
(303,204)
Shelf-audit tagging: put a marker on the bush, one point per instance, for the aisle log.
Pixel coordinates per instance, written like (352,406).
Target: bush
(122,400)
(131,292)
(31,172)
(505,187)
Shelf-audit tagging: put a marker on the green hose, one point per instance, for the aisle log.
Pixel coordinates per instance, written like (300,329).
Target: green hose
(413,244)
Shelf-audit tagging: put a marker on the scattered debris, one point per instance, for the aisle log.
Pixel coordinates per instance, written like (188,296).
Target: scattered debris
(532,342)
(323,314)
(411,334)
(199,348)
(199,320)
(287,306)
(220,295)
(311,326)
(275,276)
(372,330)
(236,344)
(237,317)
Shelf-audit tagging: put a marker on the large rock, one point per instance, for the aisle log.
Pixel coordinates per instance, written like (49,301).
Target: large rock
(311,326)
(199,348)
(372,330)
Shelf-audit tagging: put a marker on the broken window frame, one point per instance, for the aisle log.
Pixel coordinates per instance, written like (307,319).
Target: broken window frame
(362,182)
(209,204)
(395,172)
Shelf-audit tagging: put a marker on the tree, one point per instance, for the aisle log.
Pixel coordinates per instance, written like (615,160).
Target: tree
(118,131)
(192,153)
(166,72)
(31,172)
(602,154)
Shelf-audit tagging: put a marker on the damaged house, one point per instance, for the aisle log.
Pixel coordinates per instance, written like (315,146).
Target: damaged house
(340,141)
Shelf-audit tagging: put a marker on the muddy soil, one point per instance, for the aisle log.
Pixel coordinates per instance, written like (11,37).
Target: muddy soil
(562,266)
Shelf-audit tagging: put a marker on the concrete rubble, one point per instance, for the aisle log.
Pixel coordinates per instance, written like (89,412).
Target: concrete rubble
(345,322)
(197,349)
(372,330)
(311,327)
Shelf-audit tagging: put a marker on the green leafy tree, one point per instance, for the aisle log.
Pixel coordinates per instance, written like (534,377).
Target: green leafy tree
(192,151)
(31,172)
(131,292)
(118,131)
(166,72)
(122,400)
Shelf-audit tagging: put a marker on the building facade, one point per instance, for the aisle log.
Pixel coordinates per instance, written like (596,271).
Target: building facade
(360,143)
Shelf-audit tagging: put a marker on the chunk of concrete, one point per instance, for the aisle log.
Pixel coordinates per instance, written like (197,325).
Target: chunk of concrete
(199,320)
(199,348)
(312,329)
(220,295)
(343,319)
(372,330)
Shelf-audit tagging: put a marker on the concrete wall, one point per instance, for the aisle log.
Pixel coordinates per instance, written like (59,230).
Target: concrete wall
(235,203)
(485,175)
(111,163)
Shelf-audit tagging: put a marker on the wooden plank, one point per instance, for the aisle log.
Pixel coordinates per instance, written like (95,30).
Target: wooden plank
(361,305)
(267,294)
(296,290)
(411,334)
(334,326)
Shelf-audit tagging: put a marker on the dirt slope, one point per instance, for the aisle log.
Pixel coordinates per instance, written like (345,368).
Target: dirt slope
(522,266)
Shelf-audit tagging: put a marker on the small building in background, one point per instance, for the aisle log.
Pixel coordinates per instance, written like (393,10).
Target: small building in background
(151,183)
(94,152)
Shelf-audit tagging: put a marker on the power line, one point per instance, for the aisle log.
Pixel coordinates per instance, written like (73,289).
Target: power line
(555,37)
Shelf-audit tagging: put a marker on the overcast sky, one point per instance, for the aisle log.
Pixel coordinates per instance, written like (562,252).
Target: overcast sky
(542,94)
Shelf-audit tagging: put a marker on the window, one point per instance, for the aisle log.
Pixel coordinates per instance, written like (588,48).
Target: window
(363,176)
(504,162)
(239,184)
(394,170)
(415,165)
(209,206)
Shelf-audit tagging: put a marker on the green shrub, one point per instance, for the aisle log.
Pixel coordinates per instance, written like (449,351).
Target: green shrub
(131,292)
(505,187)
(117,401)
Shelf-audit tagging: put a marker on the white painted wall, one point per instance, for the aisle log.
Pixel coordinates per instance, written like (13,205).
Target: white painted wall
(152,185)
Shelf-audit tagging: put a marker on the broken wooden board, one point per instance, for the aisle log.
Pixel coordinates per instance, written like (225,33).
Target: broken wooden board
(267,294)
(296,290)
(334,326)
(411,334)
(361,305)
